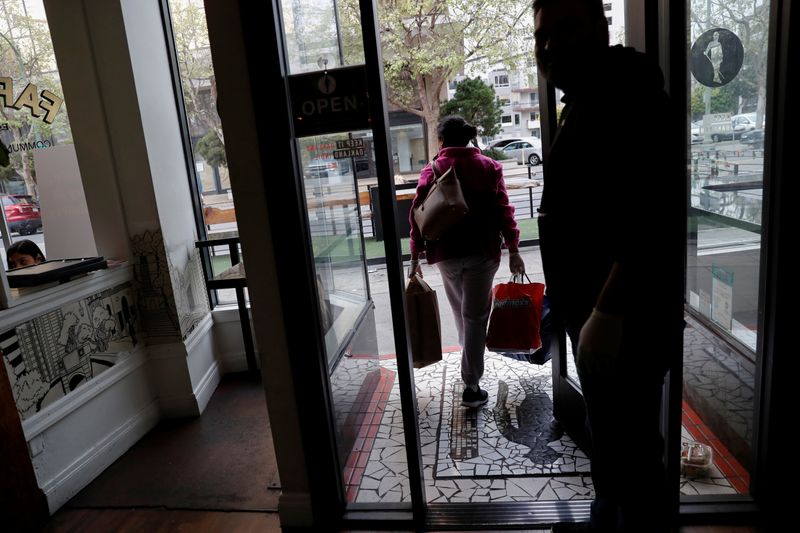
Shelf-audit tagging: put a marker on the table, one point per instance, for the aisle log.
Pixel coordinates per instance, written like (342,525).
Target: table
(525,184)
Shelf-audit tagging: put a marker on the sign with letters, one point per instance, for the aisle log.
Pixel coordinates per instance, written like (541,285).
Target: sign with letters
(330,101)
(44,104)
(349,148)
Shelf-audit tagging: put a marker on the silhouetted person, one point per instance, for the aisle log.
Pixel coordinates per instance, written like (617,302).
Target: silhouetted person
(611,233)
(23,253)
(468,255)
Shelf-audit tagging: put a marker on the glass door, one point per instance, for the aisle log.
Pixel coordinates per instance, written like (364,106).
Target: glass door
(343,157)
(727,150)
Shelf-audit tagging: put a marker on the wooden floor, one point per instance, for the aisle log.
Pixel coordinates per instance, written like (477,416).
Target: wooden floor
(161,520)
(164,520)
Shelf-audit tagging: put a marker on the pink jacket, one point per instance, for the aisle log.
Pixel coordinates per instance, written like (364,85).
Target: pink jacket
(490,215)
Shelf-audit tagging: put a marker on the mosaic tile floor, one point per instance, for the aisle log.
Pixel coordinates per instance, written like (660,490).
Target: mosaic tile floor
(721,384)
(513,436)
(505,451)
(493,464)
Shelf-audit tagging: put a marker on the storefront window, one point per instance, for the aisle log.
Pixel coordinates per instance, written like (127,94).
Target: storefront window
(40,182)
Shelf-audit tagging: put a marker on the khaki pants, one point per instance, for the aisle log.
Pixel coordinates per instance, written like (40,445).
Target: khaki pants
(468,286)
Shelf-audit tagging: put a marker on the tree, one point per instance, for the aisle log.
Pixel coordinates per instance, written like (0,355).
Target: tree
(196,71)
(477,103)
(211,150)
(425,43)
(722,101)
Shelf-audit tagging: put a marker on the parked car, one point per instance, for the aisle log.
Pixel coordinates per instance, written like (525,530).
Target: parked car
(22,213)
(527,149)
(745,122)
(740,124)
(326,171)
(696,135)
(499,144)
(754,138)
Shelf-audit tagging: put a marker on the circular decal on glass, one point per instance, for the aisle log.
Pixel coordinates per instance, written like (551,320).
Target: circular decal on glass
(326,84)
(717,57)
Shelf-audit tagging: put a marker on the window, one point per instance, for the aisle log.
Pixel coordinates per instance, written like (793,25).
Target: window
(608,19)
(205,129)
(516,119)
(501,80)
(607,6)
(41,187)
(505,101)
(725,144)
(505,119)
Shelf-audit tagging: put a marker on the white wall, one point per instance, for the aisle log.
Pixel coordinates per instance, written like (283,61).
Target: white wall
(78,438)
(65,216)
(229,345)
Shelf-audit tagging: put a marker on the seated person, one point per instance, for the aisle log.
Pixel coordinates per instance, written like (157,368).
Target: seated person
(24,253)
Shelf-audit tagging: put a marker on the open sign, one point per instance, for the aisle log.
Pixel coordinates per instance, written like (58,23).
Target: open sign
(330,101)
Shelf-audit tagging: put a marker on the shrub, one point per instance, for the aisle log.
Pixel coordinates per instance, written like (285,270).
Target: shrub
(494,154)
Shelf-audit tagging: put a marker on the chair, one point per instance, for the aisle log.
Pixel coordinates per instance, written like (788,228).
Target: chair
(233,278)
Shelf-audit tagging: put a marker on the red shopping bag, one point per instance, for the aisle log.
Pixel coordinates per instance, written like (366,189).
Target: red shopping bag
(515,322)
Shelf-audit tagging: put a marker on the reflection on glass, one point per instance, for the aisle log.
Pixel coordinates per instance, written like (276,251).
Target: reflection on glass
(364,388)
(333,217)
(726,155)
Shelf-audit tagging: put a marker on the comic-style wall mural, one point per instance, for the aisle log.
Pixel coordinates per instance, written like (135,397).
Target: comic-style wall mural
(55,353)
(173,300)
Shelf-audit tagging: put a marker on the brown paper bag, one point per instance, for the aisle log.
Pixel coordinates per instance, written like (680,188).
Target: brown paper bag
(424,326)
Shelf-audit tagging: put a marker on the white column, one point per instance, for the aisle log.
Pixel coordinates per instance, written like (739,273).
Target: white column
(403,151)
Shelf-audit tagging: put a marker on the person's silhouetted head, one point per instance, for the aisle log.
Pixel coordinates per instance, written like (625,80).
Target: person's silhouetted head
(453,130)
(24,253)
(570,35)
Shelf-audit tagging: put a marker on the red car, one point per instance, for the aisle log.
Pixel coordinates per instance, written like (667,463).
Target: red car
(22,213)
